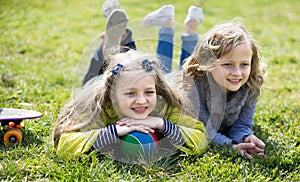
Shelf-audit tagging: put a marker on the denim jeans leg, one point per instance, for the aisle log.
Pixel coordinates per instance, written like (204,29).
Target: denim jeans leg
(128,43)
(189,42)
(165,48)
(96,64)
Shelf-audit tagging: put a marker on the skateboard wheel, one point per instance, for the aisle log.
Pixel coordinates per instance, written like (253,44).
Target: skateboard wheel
(12,137)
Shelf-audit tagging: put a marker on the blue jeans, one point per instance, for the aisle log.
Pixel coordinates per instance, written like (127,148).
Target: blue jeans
(165,47)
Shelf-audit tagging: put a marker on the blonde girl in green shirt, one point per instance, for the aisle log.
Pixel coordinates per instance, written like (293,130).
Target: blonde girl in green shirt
(131,95)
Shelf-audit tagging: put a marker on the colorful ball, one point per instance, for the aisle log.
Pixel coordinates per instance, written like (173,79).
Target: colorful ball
(138,143)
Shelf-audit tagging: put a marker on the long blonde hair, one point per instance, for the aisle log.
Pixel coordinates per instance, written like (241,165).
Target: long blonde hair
(220,40)
(86,107)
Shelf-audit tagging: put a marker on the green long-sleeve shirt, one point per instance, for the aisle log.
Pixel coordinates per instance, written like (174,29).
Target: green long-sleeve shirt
(192,131)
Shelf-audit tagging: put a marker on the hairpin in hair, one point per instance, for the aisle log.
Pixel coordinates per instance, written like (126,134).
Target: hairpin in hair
(147,65)
(117,69)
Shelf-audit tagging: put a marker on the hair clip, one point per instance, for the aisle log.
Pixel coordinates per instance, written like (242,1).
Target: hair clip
(117,69)
(147,65)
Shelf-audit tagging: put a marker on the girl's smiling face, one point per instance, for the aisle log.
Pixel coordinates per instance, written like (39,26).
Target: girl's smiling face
(233,69)
(135,94)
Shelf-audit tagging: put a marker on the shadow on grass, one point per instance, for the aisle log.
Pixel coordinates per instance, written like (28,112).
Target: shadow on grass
(166,165)
(105,167)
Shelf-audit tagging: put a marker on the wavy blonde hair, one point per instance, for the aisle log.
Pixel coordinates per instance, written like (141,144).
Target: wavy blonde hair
(220,40)
(85,109)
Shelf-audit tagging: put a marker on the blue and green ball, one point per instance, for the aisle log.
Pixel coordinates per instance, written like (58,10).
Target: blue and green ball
(138,143)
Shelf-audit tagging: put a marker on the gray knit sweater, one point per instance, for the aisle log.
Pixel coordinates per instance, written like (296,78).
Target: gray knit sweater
(228,117)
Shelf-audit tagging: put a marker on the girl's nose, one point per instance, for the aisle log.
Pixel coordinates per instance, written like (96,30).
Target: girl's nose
(140,99)
(236,71)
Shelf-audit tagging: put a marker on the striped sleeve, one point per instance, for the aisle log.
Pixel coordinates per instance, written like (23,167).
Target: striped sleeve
(172,132)
(106,137)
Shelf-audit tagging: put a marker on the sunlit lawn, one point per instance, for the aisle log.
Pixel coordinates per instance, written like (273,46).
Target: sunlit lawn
(46,46)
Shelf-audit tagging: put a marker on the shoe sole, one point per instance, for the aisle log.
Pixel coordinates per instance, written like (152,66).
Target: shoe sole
(163,13)
(115,28)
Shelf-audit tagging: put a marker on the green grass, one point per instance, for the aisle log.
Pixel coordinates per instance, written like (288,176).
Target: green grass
(42,47)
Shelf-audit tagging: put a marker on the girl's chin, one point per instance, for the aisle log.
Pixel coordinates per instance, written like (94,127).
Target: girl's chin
(139,117)
(233,89)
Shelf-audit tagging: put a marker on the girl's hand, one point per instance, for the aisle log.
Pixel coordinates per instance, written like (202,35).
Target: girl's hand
(252,145)
(259,145)
(151,122)
(242,149)
(123,130)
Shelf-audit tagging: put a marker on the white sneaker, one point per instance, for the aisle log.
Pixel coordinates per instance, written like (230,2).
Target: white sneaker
(159,16)
(194,13)
(115,28)
(108,6)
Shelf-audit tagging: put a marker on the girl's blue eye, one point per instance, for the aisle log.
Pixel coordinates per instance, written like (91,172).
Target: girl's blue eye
(150,92)
(226,64)
(129,93)
(245,65)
